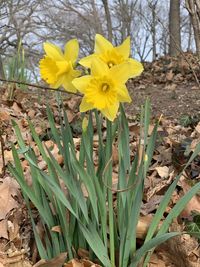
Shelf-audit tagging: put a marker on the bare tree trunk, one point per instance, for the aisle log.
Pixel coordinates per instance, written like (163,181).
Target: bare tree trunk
(152,6)
(96,16)
(174,28)
(154,32)
(108,20)
(189,35)
(123,13)
(193,8)
(2,74)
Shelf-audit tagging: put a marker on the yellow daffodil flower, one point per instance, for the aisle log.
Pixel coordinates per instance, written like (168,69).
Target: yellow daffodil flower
(57,68)
(112,56)
(105,88)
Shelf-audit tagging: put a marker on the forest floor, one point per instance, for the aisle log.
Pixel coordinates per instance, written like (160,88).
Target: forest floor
(171,85)
(183,101)
(174,93)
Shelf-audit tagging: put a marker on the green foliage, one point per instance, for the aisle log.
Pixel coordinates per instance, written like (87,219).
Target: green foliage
(16,70)
(193,227)
(94,223)
(189,121)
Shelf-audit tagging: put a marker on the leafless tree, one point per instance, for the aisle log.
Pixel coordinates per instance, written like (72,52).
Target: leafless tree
(193,7)
(35,21)
(174,28)
(19,22)
(153,6)
(108,19)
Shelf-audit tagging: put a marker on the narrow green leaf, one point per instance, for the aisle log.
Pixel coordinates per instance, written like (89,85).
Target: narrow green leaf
(74,189)
(177,209)
(88,182)
(149,245)
(59,193)
(95,242)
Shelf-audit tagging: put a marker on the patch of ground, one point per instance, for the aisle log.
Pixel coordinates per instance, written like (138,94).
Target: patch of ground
(172,84)
(173,92)
(172,103)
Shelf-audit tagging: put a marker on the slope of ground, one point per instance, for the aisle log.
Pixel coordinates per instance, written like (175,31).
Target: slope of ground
(171,85)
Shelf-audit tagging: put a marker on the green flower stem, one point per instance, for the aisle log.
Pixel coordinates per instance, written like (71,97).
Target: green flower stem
(110,196)
(101,166)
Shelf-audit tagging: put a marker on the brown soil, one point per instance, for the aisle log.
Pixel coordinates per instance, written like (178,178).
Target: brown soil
(171,85)
(172,103)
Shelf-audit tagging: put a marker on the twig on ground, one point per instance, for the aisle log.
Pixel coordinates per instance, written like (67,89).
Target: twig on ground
(39,86)
(3,156)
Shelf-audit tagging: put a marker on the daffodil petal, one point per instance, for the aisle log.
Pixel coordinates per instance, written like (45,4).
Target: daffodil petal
(58,83)
(111,111)
(136,67)
(124,48)
(127,70)
(99,68)
(76,73)
(68,78)
(101,44)
(70,88)
(85,106)
(53,51)
(82,83)
(73,73)
(67,85)
(87,61)
(71,50)
(99,102)
(123,95)
(121,72)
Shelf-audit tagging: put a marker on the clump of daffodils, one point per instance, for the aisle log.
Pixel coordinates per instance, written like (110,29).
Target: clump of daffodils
(110,68)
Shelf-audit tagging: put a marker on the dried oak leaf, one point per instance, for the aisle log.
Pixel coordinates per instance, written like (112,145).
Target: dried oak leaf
(14,259)
(163,171)
(55,262)
(4,229)
(193,204)
(8,189)
(81,263)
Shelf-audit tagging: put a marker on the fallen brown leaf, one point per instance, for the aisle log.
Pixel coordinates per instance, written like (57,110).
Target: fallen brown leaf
(163,172)
(56,229)
(80,263)
(143,226)
(197,128)
(73,103)
(4,116)
(159,187)
(4,229)
(151,205)
(14,259)
(170,75)
(74,263)
(31,113)
(193,204)
(55,262)
(8,189)
(16,108)
(82,253)
(155,262)
(115,156)
(88,263)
